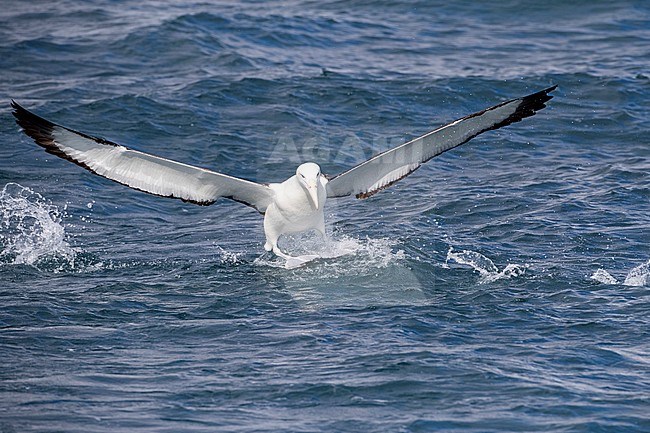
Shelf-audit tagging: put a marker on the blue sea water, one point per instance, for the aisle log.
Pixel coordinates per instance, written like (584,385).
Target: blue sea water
(503,287)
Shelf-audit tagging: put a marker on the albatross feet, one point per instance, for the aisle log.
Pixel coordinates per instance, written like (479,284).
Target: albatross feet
(293,261)
(297,261)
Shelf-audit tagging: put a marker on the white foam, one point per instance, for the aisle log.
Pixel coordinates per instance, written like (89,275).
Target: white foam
(484,266)
(346,272)
(229,257)
(366,253)
(602,276)
(31,228)
(638,276)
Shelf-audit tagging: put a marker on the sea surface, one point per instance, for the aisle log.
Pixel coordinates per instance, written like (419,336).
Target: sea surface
(503,287)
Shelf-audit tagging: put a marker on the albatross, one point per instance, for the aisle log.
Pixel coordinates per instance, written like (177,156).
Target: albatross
(292,206)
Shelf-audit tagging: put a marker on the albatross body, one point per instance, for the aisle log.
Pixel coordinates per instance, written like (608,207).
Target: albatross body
(297,207)
(292,206)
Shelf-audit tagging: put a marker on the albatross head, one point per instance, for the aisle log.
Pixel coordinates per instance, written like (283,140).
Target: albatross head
(308,176)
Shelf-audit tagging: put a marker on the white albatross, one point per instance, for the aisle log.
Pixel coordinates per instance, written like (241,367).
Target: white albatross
(292,206)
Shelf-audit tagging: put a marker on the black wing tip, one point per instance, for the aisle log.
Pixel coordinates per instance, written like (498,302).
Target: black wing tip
(539,99)
(16,106)
(532,103)
(528,106)
(39,129)
(24,117)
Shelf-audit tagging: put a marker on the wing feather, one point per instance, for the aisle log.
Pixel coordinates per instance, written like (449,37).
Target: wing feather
(138,170)
(384,169)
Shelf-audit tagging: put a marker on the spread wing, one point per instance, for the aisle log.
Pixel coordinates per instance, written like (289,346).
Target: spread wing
(383,170)
(138,170)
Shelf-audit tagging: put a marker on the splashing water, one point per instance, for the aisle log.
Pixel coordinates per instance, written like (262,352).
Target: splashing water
(228,257)
(483,265)
(369,253)
(345,272)
(30,229)
(602,276)
(638,276)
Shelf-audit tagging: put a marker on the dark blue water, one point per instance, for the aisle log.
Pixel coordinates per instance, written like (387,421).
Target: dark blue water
(505,286)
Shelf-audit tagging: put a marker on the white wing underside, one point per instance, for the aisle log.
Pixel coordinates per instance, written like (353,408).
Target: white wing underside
(388,167)
(139,170)
(168,178)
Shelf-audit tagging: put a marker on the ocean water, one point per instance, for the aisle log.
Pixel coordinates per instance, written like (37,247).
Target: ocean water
(503,287)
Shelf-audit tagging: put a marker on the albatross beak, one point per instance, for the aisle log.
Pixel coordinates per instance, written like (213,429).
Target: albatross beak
(313,195)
